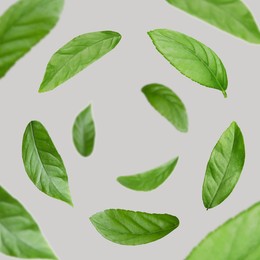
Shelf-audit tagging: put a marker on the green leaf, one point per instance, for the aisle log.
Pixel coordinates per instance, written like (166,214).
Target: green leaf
(192,58)
(149,180)
(22,26)
(76,55)
(168,104)
(231,16)
(43,163)
(224,167)
(238,238)
(133,228)
(20,235)
(84,132)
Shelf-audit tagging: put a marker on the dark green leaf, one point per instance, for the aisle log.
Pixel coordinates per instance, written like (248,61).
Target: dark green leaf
(237,239)
(43,163)
(133,228)
(84,132)
(224,167)
(20,235)
(149,180)
(231,16)
(76,55)
(23,25)
(192,58)
(168,104)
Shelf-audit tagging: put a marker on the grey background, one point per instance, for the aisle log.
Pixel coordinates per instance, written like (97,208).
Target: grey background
(131,136)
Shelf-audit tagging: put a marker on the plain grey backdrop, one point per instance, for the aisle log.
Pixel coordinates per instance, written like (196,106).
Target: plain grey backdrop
(131,136)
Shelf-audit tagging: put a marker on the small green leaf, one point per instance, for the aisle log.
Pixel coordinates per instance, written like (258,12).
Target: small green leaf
(192,58)
(133,228)
(238,238)
(168,104)
(76,55)
(43,163)
(224,167)
(149,180)
(20,235)
(22,26)
(231,16)
(84,132)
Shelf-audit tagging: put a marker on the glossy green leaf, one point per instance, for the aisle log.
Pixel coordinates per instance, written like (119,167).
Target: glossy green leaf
(231,16)
(43,163)
(149,180)
(133,228)
(237,239)
(76,55)
(84,132)
(224,167)
(168,104)
(192,58)
(23,25)
(20,235)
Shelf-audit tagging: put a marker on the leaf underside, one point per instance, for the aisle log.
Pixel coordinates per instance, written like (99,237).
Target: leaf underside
(43,163)
(192,58)
(133,228)
(238,238)
(224,167)
(23,25)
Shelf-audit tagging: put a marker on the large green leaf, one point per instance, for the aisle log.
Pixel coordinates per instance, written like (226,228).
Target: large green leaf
(149,180)
(224,167)
(133,228)
(168,104)
(76,55)
(237,239)
(84,132)
(191,58)
(43,163)
(231,16)
(23,25)
(20,235)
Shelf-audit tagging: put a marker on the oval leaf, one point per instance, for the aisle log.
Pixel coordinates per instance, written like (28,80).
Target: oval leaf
(22,26)
(20,235)
(43,163)
(238,238)
(149,180)
(224,167)
(231,16)
(168,104)
(76,55)
(84,132)
(192,58)
(133,228)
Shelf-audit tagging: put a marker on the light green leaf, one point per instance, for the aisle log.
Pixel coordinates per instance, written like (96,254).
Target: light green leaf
(23,25)
(192,58)
(20,235)
(43,163)
(149,180)
(231,16)
(133,228)
(84,132)
(76,55)
(237,239)
(168,104)
(224,167)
